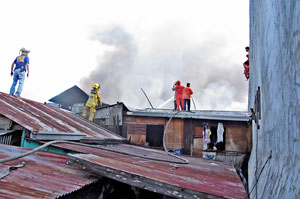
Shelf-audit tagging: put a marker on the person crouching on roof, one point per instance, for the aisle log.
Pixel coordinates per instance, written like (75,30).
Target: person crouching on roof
(92,102)
(179,98)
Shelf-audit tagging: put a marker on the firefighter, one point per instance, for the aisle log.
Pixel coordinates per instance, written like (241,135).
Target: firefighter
(179,98)
(18,72)
(173,89)
(246,63)
(92,102)
(187,92)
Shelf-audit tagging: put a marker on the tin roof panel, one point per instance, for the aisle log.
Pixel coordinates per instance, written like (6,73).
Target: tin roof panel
(45,175)
(36,116)
(207,177)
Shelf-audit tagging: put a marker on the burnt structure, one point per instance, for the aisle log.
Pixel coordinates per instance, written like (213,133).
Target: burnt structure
(146,127)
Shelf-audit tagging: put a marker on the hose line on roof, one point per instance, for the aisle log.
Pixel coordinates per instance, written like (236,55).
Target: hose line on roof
(80,144)
(185,161)
(32,151)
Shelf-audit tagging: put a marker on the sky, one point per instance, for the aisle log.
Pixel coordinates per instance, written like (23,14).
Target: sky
(128,45)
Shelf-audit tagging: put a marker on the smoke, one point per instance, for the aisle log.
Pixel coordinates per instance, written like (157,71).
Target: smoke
(217,81)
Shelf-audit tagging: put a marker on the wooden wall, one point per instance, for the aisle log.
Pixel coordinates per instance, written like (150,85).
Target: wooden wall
(186,134)
(136,130)
(237,138)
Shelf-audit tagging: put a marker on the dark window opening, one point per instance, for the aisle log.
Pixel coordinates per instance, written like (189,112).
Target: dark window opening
(13,138)
(214,145)
(154,135)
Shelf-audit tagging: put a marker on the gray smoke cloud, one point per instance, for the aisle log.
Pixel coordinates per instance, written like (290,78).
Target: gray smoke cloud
(217,82)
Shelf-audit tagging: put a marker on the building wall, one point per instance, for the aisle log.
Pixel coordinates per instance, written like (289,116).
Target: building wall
(274,166)
(136,130)
(236,138)
(111,117)
(186,134)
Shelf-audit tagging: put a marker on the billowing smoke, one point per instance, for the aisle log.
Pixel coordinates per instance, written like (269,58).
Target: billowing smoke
(122,71)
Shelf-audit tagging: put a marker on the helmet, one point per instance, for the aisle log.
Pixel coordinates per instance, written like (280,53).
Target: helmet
(96,86)
(178,82)
(24,51)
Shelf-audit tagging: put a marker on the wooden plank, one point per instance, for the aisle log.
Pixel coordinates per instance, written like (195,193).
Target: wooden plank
(236,139)
(134,128)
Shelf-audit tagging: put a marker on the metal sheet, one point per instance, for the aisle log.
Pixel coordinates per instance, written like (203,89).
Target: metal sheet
(49,135)
(202,177)
(45,175)
(241,116)
(36,116)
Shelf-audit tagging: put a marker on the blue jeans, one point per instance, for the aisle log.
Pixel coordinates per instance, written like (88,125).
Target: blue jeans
(187,104)
(18,76)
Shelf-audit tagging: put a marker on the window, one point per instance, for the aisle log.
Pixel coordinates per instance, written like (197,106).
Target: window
(154,135)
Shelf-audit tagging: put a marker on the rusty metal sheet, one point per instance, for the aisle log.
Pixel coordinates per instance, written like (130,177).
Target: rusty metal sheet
(201,178)
(45,175)
(36,116)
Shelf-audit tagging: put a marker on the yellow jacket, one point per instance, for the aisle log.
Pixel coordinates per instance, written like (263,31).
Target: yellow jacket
(94,98)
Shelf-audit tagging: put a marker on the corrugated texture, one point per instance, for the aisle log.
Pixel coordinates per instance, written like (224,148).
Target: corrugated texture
(207,177)
(36,116)
(198,114)
(45,175)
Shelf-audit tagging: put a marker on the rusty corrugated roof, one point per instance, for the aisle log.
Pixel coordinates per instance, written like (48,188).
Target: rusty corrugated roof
(201,178)
(36,117)
(45,175)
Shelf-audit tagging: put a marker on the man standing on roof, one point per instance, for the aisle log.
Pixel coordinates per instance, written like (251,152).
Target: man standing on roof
(187,92)
(173,89)
(92,102)
(18,72)
(179,100)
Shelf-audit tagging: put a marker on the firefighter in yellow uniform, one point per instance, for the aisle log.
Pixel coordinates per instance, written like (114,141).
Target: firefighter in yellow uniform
(92,102)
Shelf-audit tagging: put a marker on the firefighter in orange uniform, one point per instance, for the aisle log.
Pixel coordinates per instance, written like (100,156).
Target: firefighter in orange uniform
(179,98)
(246,64)
(187,92)
(92,102)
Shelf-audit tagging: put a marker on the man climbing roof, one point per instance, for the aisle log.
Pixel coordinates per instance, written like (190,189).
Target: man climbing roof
(92,102)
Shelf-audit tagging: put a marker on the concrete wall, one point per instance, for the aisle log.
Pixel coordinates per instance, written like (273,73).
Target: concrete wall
(275,68)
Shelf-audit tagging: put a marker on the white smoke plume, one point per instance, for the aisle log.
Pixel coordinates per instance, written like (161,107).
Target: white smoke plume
(217,81)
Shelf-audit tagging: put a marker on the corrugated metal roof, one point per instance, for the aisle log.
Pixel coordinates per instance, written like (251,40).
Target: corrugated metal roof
(201,177)
(195,114)
(45,175)
(198,114)
(37,117)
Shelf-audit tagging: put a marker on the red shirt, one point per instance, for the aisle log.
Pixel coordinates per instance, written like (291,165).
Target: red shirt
(179,89)
(187,92)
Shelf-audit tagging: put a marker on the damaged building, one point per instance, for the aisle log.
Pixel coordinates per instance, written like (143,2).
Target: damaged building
(114,167)
(145,127)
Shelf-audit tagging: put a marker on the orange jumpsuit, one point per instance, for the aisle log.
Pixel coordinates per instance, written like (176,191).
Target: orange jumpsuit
(246,67)
(179,97)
